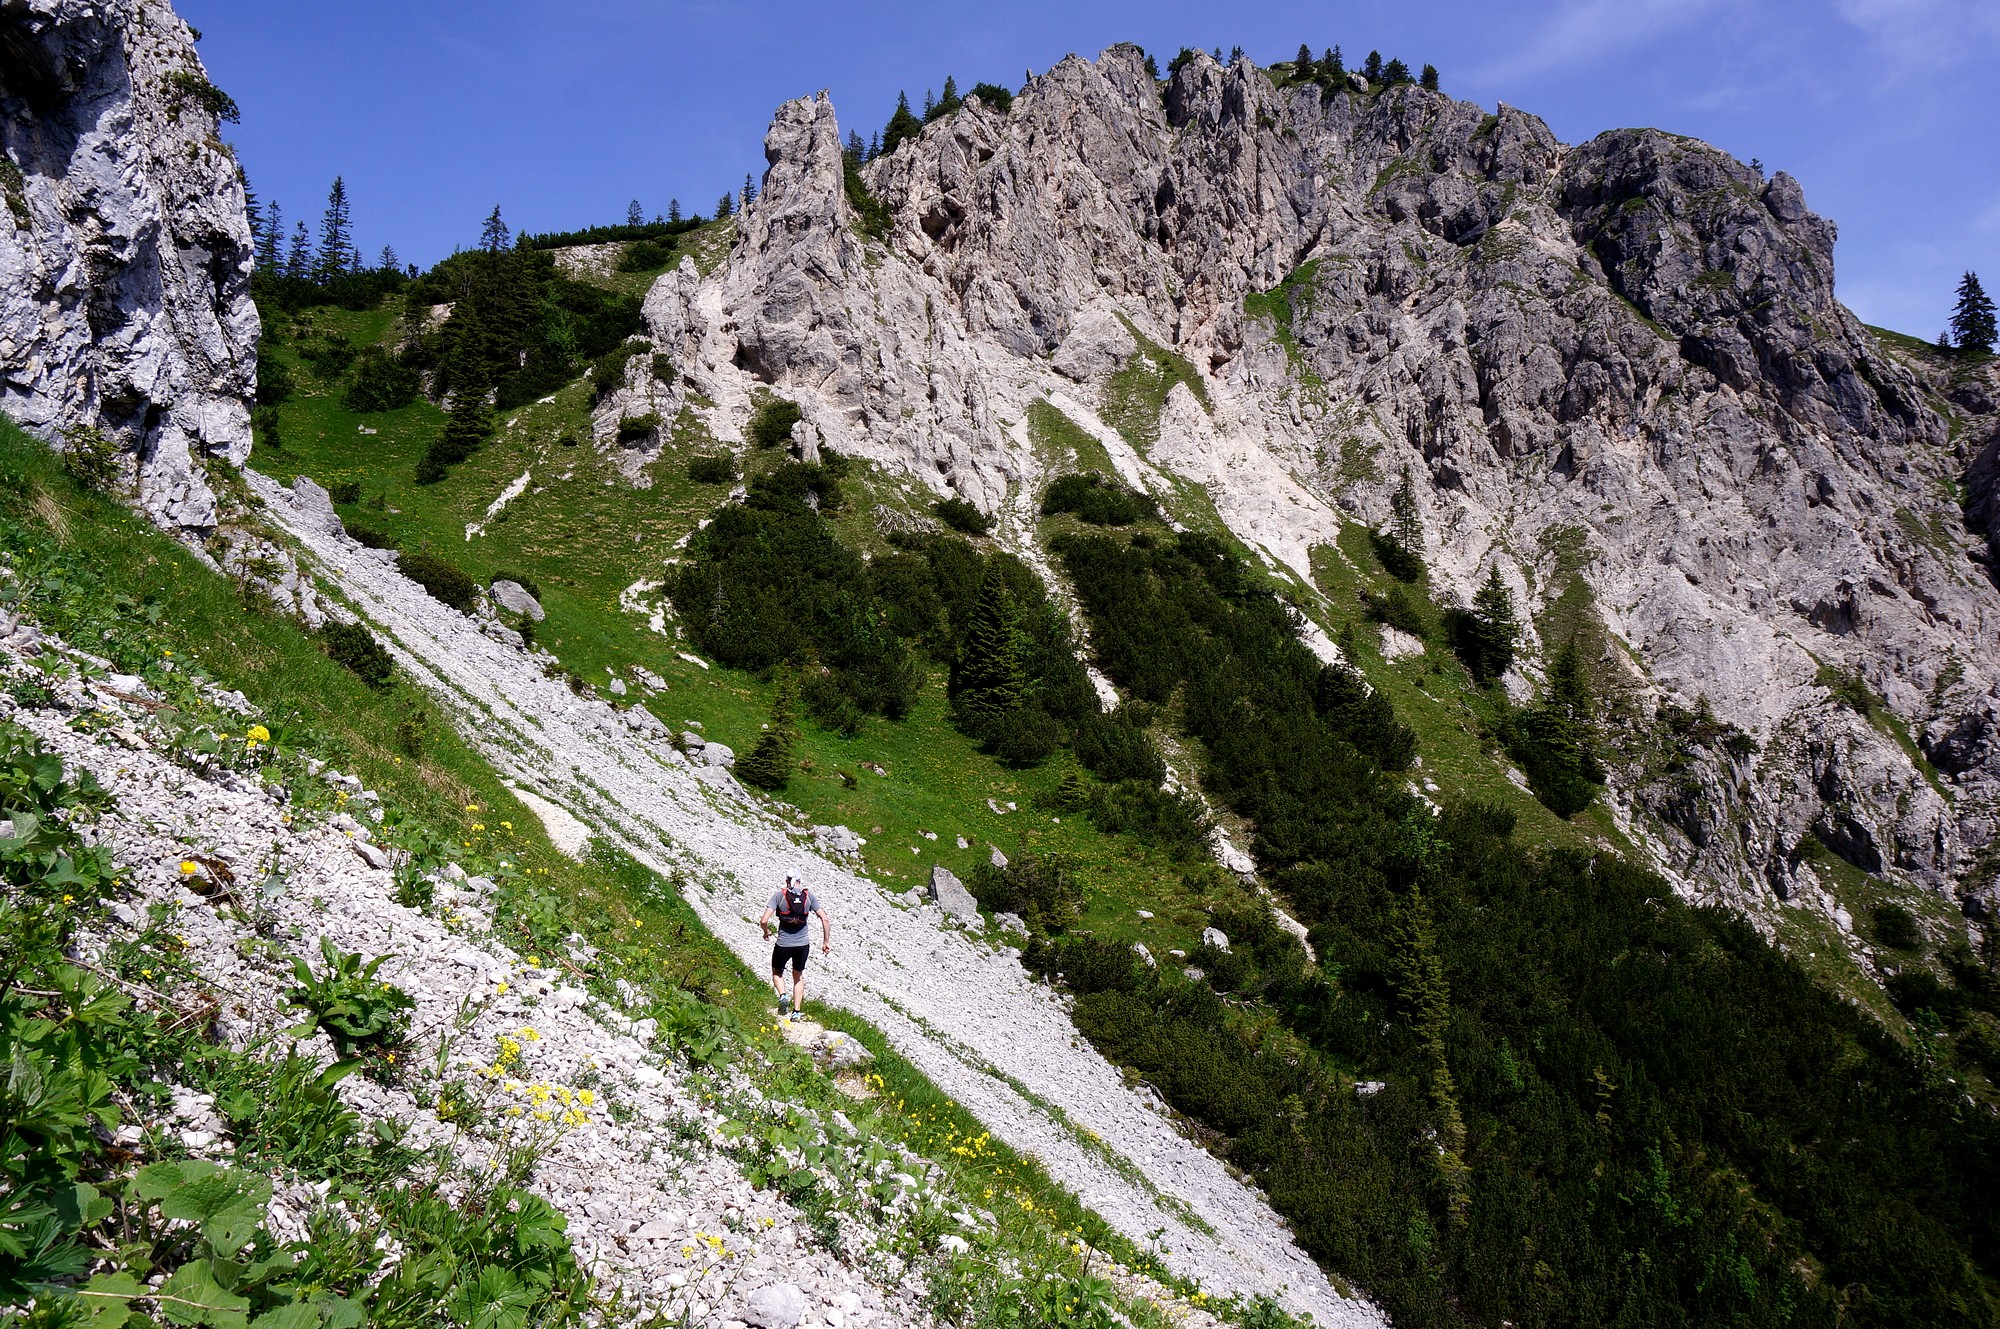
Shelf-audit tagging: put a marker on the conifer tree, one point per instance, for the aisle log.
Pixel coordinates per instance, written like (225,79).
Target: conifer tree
(769,764)
(1972,321)
(1491,629)
(336,241)
(948,103)
(1395,72)
(1302,63)
(673,210)
(749,189)
(930,106)
(1429,79)
(725,207)
(634,214)
(1371,69)
(874,146)
(494,235)
(388,262)
(1406,523)
(902,124)
(990,677)
(271,241)
(1333,66)
(299,263)
(856,151)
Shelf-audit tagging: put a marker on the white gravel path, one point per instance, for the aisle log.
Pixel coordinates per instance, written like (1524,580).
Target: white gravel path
(970,1018)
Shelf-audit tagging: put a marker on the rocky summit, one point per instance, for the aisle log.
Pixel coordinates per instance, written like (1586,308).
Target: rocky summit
(1620,364)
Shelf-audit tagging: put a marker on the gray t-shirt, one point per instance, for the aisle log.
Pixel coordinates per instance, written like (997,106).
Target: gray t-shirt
(794,936)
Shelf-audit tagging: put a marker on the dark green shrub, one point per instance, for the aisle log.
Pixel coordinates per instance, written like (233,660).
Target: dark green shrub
(829,703)
(267,429)
(999,98)
(664,370)
(1042,888)
(1555,754)
(369,536)
(1364,717)
(381,382)
(1401,607)
(1175,821)
(1896,928)
(275,384)
(345,491)
(638,426)
(645,256)
(960,515)
(186,88)
(1113,747)
(771,426)
(354,647)
(445,583)
(1098,500)
(607,372)
(712,470)
(1024,737)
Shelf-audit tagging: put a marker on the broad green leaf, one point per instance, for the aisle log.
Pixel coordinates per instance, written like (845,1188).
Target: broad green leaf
(226,1203)
(298,1315)
(106,1300)
(192,1296)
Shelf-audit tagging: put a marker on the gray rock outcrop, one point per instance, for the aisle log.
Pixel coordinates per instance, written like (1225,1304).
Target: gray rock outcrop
(1619,372)
(125,249)
(515,598)
(950,895)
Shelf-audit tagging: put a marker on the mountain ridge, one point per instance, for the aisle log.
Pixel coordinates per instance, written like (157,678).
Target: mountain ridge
(1636,337)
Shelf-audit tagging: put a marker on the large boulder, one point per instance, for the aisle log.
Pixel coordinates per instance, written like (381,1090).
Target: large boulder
(513,597)
(950,895)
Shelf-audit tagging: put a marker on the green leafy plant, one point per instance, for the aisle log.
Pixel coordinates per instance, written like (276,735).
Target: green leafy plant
(91,458)
(960,515)
(345,1000)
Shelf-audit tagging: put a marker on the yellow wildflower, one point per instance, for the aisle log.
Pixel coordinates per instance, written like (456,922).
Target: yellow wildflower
(189,867)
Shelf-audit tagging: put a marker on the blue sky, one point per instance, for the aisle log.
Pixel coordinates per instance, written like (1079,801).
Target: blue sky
(561,111)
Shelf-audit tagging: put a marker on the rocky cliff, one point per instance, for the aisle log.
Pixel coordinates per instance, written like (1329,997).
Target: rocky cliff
(125,248)
(1621,367)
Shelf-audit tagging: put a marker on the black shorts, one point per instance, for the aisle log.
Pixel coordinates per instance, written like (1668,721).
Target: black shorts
(795,956)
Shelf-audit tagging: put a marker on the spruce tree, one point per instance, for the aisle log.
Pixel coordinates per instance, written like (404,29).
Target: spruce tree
(336,241)
(769,763)
(634,214)
(1429,78)
(1406,523)
(990,676)
(1972,321)
(1371,69)
(1395,72)
(949,102)
(725,207)
(930,106)
(494,235)
(749,189)
(902,124)
(856,151)
(1491,629)
(1333,67)
(299,263)
(1302,63)
(271,245)
(673,210)
(388,262)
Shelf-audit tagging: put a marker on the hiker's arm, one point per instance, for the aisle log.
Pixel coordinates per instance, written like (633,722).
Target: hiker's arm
(764,923)
(825,933)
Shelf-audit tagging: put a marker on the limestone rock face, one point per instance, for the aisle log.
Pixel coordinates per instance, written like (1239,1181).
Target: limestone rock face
(1617,370)
(125,248)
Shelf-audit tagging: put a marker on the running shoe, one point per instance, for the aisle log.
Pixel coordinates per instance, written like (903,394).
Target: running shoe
(784,1004)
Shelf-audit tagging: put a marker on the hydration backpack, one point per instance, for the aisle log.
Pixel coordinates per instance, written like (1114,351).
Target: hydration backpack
(793,915)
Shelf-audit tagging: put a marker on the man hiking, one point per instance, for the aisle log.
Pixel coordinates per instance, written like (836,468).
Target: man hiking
(791,909)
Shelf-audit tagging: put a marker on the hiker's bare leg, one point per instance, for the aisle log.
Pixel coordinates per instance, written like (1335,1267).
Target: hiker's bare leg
(798,988)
